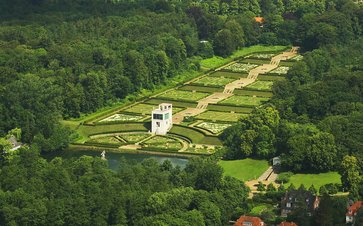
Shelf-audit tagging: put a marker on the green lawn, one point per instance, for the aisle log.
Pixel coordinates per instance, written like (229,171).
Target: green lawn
(244,92)
(227,74)
(219,116)
(213,81)
(244,101)
(219,61)
(246,169)
(317,179)
(184,95)
(261,86)
(146,109)
(227,108)
(204,89)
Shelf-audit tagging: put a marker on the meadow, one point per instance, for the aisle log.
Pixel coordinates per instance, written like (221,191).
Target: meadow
(245,169)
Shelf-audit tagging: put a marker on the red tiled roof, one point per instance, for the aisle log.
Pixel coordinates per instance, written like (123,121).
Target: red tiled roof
(259,19)
(287,224)
(254,220)
(354,208)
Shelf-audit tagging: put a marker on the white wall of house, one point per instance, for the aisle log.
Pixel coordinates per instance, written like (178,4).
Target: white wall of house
(162,119)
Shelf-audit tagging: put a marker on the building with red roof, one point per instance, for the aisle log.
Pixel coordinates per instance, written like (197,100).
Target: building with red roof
(352,211)
(285,223)
(259,19)
(249,221)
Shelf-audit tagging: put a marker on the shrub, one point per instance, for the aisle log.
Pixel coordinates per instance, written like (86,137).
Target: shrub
(284,177)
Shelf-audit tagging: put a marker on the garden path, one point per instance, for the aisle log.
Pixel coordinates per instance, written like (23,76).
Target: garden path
(229,88)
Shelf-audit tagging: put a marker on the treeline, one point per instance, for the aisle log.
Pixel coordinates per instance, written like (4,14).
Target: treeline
(83,191)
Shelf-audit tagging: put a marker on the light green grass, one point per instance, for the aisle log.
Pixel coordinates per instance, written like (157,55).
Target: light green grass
(216,61)
(257,210)
(213,81)
(227,74)
(183,95)
(145,109)
(246,169)
(317,180)
(219,116)
(244,101)
(261,86)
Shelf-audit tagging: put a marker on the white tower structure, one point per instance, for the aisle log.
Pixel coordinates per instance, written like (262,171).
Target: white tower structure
(162,119)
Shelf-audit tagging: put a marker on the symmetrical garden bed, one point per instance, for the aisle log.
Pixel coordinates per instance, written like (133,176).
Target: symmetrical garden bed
(244,92)
(240,67)
(214,127)
(244,100)
(261,56)
(216,116)
(226,74)
(213,81)
(204,89)
(134,137)
(162,143)
(183,95)
(123,118)
(145,109)
(261,86)
(280,70)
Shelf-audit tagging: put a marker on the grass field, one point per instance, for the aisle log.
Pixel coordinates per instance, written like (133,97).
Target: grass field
(317,179)
(176,104)
(219,61)
(183,95)
(270,78)
(146,109)
(244,100)
(219,116)
(227,74)
(246,169)
(244,92)
(213,81)
(193,135)
(261,85)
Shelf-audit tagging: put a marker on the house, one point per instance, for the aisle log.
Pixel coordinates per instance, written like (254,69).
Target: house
(162,119)
(285,223)
(259,19)
(249,221)
(296,198)
(14,143)
(352,211)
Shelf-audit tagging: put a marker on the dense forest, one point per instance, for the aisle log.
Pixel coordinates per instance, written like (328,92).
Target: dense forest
(61,59)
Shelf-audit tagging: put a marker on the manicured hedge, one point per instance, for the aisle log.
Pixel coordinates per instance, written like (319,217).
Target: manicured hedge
(253,93)
(229,108)
(198,88)
(270,77)
(175,103)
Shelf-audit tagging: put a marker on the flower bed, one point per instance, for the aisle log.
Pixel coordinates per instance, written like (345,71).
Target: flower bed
(214,127)
(134,137)
(219,116)
(280,70)
(122,118)
(244,101)
(105,140)
(213,81)
(260,86)
(261,56)
(184,95)
(239,67)
(162,142)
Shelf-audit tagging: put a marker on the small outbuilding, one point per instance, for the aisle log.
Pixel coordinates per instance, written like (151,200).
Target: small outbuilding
(162,119)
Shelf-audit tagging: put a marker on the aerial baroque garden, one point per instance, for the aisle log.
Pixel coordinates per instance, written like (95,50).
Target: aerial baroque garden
(196,121)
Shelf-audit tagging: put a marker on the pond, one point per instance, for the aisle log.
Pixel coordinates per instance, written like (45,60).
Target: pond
(114,158)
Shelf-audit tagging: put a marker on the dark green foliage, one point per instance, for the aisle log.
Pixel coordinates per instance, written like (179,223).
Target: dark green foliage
(84,191)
